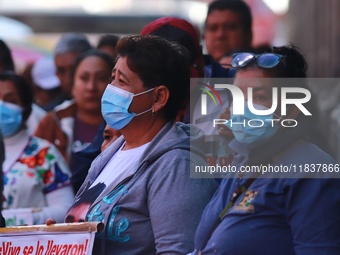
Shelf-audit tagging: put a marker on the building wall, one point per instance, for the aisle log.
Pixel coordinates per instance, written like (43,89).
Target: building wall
(314,27)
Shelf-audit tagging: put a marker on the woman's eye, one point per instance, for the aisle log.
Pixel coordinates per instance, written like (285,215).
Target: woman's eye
(13,101)
(260,98)
(113,78)
(83,77)
(107,137)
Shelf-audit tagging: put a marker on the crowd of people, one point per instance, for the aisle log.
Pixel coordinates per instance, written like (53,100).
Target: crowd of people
(114,133)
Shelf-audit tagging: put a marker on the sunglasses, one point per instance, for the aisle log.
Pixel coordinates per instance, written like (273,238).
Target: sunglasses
(265,60)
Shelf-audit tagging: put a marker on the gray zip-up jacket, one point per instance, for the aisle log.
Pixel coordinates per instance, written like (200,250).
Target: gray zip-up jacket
(156,209)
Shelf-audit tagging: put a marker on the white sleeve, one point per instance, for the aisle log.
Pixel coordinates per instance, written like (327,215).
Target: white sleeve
(58,202)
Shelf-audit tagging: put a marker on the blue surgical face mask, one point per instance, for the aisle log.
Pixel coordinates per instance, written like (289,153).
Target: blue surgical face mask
(115,106)
(10,118)
(266,126)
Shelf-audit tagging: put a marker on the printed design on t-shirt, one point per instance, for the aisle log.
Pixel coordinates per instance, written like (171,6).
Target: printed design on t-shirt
(115,228)
(79,209)
(246,204)
(37,166)
(35,160)
(46,165)
(54,181)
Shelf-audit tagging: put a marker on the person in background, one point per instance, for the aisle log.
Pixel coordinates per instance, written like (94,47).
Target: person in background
(228,27)
(46,84)
(35,173)
(109,136)
(150,163)
(74,127)
(66,50)
(107,43)
(82,160)
(7,64)
(292,213)
(180,30)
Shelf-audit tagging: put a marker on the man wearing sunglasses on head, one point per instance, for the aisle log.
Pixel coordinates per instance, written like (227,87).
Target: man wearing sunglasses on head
(281,213)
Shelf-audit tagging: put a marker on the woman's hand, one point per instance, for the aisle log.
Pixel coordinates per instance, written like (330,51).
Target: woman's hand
(50,221)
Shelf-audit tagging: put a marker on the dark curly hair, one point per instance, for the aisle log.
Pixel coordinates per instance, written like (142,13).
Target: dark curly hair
(294,64)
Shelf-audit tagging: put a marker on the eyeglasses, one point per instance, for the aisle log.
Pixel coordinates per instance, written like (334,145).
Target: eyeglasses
(265,60)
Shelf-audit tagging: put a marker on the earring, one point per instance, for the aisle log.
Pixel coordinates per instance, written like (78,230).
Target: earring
(153,112)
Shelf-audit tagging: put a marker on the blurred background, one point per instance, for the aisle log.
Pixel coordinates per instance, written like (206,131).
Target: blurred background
(310,24)
(31,27)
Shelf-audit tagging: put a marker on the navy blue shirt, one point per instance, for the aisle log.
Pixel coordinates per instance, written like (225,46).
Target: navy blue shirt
(275,216)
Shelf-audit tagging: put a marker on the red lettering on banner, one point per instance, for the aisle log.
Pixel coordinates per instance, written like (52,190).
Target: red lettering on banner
(8,249)
(28,250)
(49,247)
(66,249)
(39,250)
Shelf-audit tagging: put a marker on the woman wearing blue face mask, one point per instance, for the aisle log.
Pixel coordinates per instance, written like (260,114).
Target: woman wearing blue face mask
(148,202)
(35,174)
(271,203)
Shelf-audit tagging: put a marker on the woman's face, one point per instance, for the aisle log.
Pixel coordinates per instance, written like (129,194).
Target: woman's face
(257,79)
(9,93)
(124,78)
(109,135)
(64,64)
(90,81)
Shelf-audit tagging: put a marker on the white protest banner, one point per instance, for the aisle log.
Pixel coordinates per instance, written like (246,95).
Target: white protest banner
(57,239)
